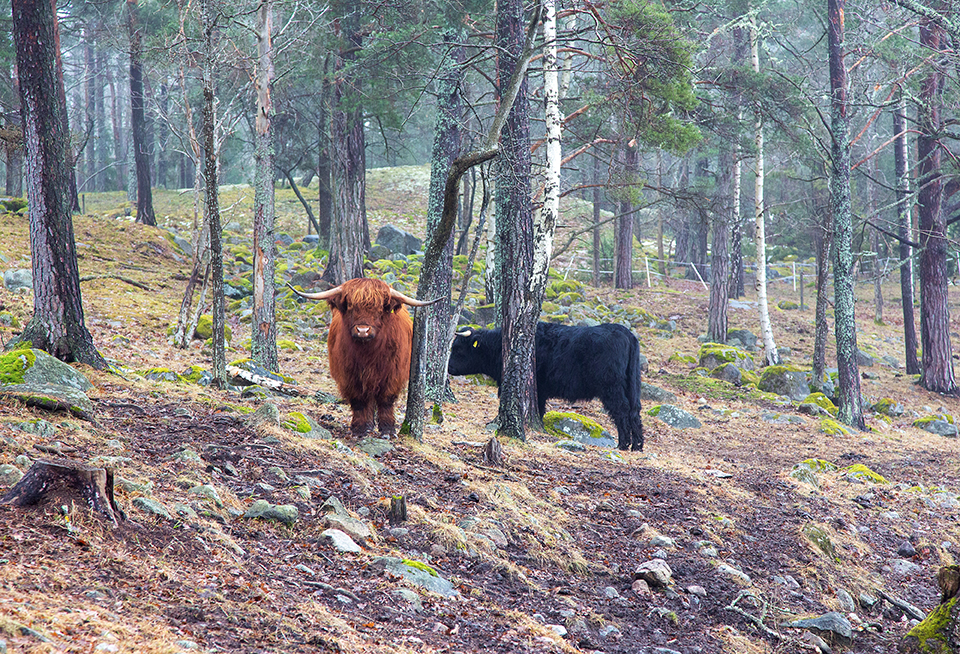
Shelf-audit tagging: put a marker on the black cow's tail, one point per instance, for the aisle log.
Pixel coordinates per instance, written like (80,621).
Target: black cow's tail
(634,388)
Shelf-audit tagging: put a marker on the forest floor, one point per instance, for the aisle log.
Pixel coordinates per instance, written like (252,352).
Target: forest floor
(541,552)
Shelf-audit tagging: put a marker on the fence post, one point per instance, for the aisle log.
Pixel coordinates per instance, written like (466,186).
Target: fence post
(794,265)
(646,262)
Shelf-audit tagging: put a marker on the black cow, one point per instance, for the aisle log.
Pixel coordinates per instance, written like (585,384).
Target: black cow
(573,363)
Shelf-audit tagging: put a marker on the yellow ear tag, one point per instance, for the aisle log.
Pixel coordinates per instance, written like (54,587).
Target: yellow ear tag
(476,343)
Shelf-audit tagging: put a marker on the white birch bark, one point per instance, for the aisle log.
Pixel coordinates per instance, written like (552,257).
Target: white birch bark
(766,330)
(545,220)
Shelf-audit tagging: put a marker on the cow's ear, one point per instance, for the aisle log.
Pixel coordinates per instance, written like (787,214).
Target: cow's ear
(338,302)
(392,306)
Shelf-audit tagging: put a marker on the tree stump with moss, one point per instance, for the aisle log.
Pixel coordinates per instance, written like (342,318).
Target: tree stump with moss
(66,482)
(939,632)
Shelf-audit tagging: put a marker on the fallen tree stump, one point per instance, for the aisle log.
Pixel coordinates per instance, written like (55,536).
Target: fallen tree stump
(63,482)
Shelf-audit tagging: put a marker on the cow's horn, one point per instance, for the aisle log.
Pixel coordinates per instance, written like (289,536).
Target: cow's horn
(465,332)
(397,295)
(322,295)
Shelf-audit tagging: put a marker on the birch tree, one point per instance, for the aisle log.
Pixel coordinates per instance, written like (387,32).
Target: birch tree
(904,231)
(766,329)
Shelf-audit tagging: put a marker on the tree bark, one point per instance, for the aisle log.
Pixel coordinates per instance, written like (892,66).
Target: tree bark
(515,238)
(623,257)
(432,329)
(211,199)
(324,194)
(597,243)
(850,407)
(720,261)
(263,342)
(62,483)
(905,232)
(936,353)
(348,225)
(57,325)
(823,242)
(138,120)
(771,356)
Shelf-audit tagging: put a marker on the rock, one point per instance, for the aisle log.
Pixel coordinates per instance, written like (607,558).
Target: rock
(788,381)
(734,573)
(940,424)
(655,572)
(152,507)
(18,281)
(267,415)
(888,407)
(832,627)
(207,492)
(821,539)
(571,445)
(675,417)
(864,360)
(354,528)
(340,541)
(374,446)
(663,541)
(744,336)
(398,241)
(845,599)
(416,573)
(652,393)
(410,597)
(186,456)
(611,593)
(579,428)
(9,474)
(728,372)
(713,355)
(285,513)
(906,550)
(904,568)
(51,397)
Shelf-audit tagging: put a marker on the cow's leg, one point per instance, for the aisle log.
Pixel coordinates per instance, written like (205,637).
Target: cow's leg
(637,444)
(624,431)
(362,417)
(386,417)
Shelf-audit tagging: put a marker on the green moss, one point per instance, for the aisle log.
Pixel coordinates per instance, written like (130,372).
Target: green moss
(946,417)
(723,353)
(887,407)
(9,319)
(817,465)
(286,344)
(787,305)
(654,410)
(14,364)
(749,378)
(833,428)
(676,357)
(821,401)
(296,421)
(861,471)
(205,328)
(550,308)
(193,374)
(163,374)
(570,298)
(420,566)
(933,633)
(436,414)
(551,418)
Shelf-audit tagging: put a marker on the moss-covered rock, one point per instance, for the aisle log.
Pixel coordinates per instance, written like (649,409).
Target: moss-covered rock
(163,374)
(941,424)
(785,380)
(888,407)
(820,538)
(831,427)
(787,305)
(822,401)
(677,357)
(712,355)
(204,328)
(8,319)
(13,365)
(863,473)
(749,378)
(580,428)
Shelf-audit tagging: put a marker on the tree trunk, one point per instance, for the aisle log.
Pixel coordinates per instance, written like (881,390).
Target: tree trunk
(597,243)
(13,149)
(623,277)
(720,261)
(850,407)
(63,483)
(212,201)
(264,325)
(324,195)
(100,121)
(119,143)
(771,356)
(823,241)
(936,353)
(905,232)
(515,238)
(432,331)
(57,325)
(348,226)
(138,121)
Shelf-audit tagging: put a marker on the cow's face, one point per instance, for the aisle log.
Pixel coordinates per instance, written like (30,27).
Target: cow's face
(465,354)
(364,306)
